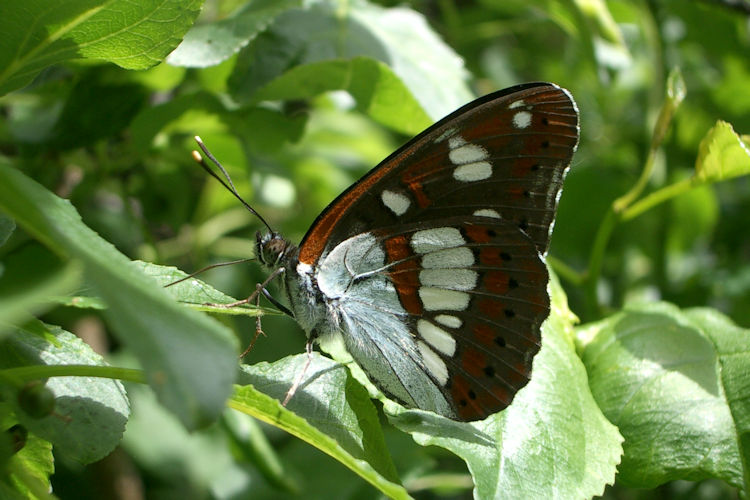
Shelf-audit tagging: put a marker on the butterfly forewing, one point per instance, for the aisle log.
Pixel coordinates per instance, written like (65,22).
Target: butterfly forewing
(504,154)
(431,266)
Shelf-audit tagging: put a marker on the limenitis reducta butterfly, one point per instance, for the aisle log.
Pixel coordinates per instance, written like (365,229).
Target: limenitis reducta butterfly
(430,268)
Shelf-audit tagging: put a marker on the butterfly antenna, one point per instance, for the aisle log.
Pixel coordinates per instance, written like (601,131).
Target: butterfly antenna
(229,186)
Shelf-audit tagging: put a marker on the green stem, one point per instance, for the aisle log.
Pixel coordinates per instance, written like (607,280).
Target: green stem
(622,203)
(659,196)
(565,271)
(611,219)
(675,94)
(36,372)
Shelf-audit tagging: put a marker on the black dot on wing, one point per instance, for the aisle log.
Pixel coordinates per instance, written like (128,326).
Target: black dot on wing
(505,256)
(491,233)
(523,224)
(545,144)
(462,402)
(535,167)
(489,370)
(472,394)
(510,313)
(527,194)
(512,283)
(545,121)
(500,341)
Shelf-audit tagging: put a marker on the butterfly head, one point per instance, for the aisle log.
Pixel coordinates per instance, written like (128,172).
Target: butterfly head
(271,249)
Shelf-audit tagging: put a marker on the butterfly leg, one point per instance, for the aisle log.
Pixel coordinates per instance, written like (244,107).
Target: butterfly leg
(258,289)
(301,375)
(258,328)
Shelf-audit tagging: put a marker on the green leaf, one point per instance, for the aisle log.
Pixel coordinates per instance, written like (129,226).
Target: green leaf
(89,414)
(377,90)
(676,384)
(197,293)
(189,358)
(722,155)
(552,442)
(398,38)
(250,442)
(7,226)
(29,471)
(269,129)
(210,44)
(329,410)
(134,35)
(32,281)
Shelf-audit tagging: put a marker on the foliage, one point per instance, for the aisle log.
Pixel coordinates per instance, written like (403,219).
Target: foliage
(99,201)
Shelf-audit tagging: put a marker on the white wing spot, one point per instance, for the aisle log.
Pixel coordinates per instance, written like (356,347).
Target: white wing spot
(429,240)
(451,258)
(473,172)
(469,153)
(396,202)
(435,299)
(456,142)
(487,212)
(433,363)
(437,337)
(449,320)
(522,119)
(451,279)
(516,104)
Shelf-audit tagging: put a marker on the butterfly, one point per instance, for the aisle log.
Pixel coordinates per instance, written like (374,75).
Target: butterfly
(430,269)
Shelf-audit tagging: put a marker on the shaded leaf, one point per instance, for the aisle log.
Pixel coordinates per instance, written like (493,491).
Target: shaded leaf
(398,38)
(89,413)
(32,283)
(189,359)
(377,90)
(7,226)
(676,384)
(251,442)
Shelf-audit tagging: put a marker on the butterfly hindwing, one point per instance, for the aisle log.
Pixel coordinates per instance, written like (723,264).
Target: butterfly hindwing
(474,294)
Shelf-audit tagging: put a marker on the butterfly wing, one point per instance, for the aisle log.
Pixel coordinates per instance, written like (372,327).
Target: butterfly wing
(507,152)
(434,258)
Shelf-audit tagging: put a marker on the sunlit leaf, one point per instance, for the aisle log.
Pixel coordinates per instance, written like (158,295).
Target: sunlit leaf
(329,410)
(552,442)
(134,35)
(722,155)
(210,44)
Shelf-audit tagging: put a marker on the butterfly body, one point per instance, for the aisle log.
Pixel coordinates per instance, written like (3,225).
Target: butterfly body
(430,268)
